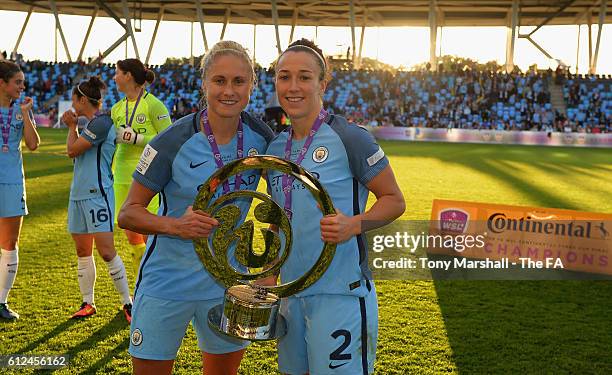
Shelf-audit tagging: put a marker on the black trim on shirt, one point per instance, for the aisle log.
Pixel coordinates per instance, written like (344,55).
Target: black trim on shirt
(364,336)
(162,197)
(101,187)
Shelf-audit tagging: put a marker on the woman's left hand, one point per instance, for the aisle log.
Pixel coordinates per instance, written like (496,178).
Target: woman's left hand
(338,227)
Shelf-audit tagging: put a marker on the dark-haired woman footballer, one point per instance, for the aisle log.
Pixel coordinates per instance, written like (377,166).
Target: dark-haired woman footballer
(91,206)
(333,325)
(138,118)
(16,123)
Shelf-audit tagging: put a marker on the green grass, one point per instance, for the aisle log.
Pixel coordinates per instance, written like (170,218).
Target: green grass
(425,326)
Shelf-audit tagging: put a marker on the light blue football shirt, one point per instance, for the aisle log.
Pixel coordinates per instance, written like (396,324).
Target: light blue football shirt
(176,163)
(93,176)
(11,171)
(344,158)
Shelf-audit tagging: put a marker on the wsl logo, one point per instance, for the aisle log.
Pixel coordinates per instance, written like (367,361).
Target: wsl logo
(499,222)
(454,220)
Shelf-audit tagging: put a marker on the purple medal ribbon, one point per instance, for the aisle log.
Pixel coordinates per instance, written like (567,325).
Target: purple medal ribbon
(6,129)
(288,180)
(217,154)
(129,123)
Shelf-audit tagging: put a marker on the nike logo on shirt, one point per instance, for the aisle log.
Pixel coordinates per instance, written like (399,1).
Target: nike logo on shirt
(191,165)
(335,367)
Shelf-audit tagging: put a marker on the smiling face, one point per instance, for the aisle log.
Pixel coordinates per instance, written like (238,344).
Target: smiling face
(14,87)
(227,85)
(298,84)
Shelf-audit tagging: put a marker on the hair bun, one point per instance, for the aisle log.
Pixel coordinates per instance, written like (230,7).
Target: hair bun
(149,76)
(96,82)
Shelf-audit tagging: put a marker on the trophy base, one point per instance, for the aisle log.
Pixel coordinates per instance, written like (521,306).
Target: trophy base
(215,321)
(250,313)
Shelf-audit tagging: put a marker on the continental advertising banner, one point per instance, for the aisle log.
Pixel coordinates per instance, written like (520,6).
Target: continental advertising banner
(526,237)
(483,241)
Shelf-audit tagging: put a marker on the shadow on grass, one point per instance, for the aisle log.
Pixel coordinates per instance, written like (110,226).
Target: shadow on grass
(496,161)
(118,350)
(60,328)
(29,173)
(502,171)
(527,326)
(109,329)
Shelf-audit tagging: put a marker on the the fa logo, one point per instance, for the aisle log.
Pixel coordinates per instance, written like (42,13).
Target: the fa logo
(211,138)
(320,154)
(141,118)
(252,152)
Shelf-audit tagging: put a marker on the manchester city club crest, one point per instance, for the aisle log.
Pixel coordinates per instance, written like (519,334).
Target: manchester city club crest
(136,337)
(141,118)
(252,152)
(19,117)
(319,155)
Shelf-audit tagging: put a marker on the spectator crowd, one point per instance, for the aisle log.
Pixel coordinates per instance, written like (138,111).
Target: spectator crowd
(467,99)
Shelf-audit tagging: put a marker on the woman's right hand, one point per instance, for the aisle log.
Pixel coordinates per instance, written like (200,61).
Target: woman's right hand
(194,224)
(70,119)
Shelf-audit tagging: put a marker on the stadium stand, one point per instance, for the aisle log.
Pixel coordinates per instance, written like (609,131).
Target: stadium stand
(589,104)
(467,99)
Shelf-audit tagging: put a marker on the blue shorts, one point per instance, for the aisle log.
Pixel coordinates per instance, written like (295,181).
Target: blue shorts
(329,334)
(158,326)
(13,200)
(91,215)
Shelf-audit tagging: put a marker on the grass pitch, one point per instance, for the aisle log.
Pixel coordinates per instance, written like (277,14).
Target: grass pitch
(425,326)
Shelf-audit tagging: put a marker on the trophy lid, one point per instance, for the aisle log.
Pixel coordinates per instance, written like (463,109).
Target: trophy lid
(251,295)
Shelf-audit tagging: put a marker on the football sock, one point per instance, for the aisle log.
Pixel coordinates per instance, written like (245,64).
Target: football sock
(9,262)
(86,271)
(116,270)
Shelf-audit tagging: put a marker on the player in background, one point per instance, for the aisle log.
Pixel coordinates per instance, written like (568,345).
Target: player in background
(91,205)
(333,325)
(138,118)
(16,123)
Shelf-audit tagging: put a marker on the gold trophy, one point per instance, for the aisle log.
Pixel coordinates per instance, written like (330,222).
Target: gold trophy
(250,311)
